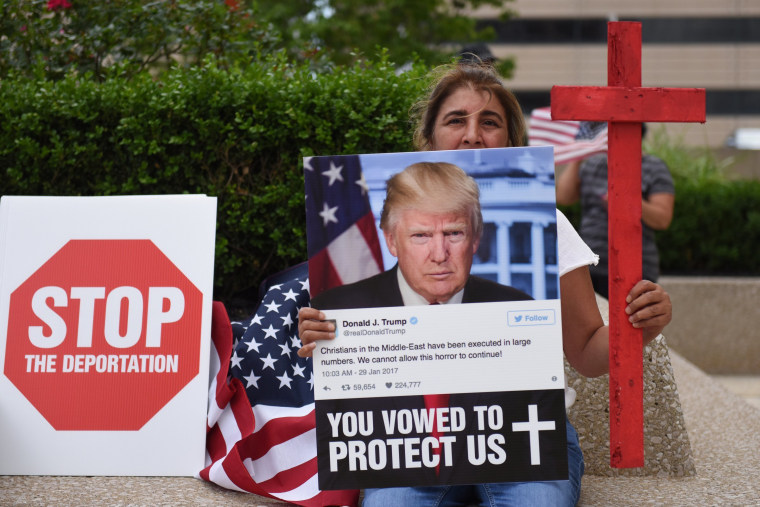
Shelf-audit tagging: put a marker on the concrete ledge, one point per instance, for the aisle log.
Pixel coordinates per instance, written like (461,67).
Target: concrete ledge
(121,491)
(725,436)
(714,322)
(723,428)
(667,449)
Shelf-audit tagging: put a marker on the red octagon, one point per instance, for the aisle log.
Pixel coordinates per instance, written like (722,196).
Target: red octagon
(103,335)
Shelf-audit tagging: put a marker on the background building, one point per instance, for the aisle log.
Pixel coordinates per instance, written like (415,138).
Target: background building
(712,44)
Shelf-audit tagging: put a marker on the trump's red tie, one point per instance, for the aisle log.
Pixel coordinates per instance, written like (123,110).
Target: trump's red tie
(435,401)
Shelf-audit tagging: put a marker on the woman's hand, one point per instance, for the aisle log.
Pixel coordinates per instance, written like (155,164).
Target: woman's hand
(649,308)
(312,327)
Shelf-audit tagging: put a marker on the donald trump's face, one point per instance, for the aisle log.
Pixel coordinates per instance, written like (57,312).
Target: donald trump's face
(434,251)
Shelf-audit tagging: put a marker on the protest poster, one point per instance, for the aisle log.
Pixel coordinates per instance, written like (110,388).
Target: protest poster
(105,310)
(445,394)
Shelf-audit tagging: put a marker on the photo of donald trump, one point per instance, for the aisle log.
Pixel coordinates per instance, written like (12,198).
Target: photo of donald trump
(431,222)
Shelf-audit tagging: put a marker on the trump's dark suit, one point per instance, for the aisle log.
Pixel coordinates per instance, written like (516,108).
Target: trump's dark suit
(382,290)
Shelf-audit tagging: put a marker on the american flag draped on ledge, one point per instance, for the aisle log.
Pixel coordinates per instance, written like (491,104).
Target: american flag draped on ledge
(261,436)
(572,140)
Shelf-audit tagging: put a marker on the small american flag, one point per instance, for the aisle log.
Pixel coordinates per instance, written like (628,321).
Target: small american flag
(342,239)
(261,437)
(572,140)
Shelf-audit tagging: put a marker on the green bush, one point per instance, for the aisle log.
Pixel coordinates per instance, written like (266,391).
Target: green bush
(715,230)
(716,220)
(239,135)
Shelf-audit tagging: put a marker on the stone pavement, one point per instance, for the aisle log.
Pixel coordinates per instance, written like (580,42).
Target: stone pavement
(715,322)
(725,437)
(723,428)
(667,449)
(746,386)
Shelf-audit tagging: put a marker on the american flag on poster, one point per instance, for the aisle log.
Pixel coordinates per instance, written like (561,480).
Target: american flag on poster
(572,140)
(343,246)
(260,435)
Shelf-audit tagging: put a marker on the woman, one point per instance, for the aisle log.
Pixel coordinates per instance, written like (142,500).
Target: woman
(470,107)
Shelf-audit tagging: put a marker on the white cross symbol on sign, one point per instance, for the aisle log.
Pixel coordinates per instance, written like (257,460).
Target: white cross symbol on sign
(533,426)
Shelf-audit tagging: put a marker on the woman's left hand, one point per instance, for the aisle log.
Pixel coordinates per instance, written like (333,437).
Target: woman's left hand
(649,309)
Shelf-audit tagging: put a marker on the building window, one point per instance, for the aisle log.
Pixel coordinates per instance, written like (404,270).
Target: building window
(552,289)
(487,251)
(523,282)
(520,243)
(550,245)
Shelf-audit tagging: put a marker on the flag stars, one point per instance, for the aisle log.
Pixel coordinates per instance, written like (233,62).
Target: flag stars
(253,345)
(363,184)
(291,295)
(328,214)
(334,173)
(285,380)
(265,361)
(251,380)
(307,164)
(268,361)
(272,307)
(235,360)
(287,320)
(271,332)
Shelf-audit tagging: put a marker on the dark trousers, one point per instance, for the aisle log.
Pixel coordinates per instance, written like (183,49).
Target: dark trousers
(600,281)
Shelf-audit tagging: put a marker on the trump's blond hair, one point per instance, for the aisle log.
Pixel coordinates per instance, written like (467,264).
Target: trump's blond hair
(432,187)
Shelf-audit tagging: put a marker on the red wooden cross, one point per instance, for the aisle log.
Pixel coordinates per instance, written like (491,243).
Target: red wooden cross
(624,104)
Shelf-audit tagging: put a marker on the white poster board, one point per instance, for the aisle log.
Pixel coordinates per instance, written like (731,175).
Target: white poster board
(105,322)
(498,365)
(402,393)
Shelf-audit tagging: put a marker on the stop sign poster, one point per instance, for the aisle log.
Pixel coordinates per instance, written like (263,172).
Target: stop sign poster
(105,322)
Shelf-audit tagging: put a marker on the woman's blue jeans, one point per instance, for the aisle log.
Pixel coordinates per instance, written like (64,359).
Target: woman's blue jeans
(504,494)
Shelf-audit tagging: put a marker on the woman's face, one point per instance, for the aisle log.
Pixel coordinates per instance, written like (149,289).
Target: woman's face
(470,119)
